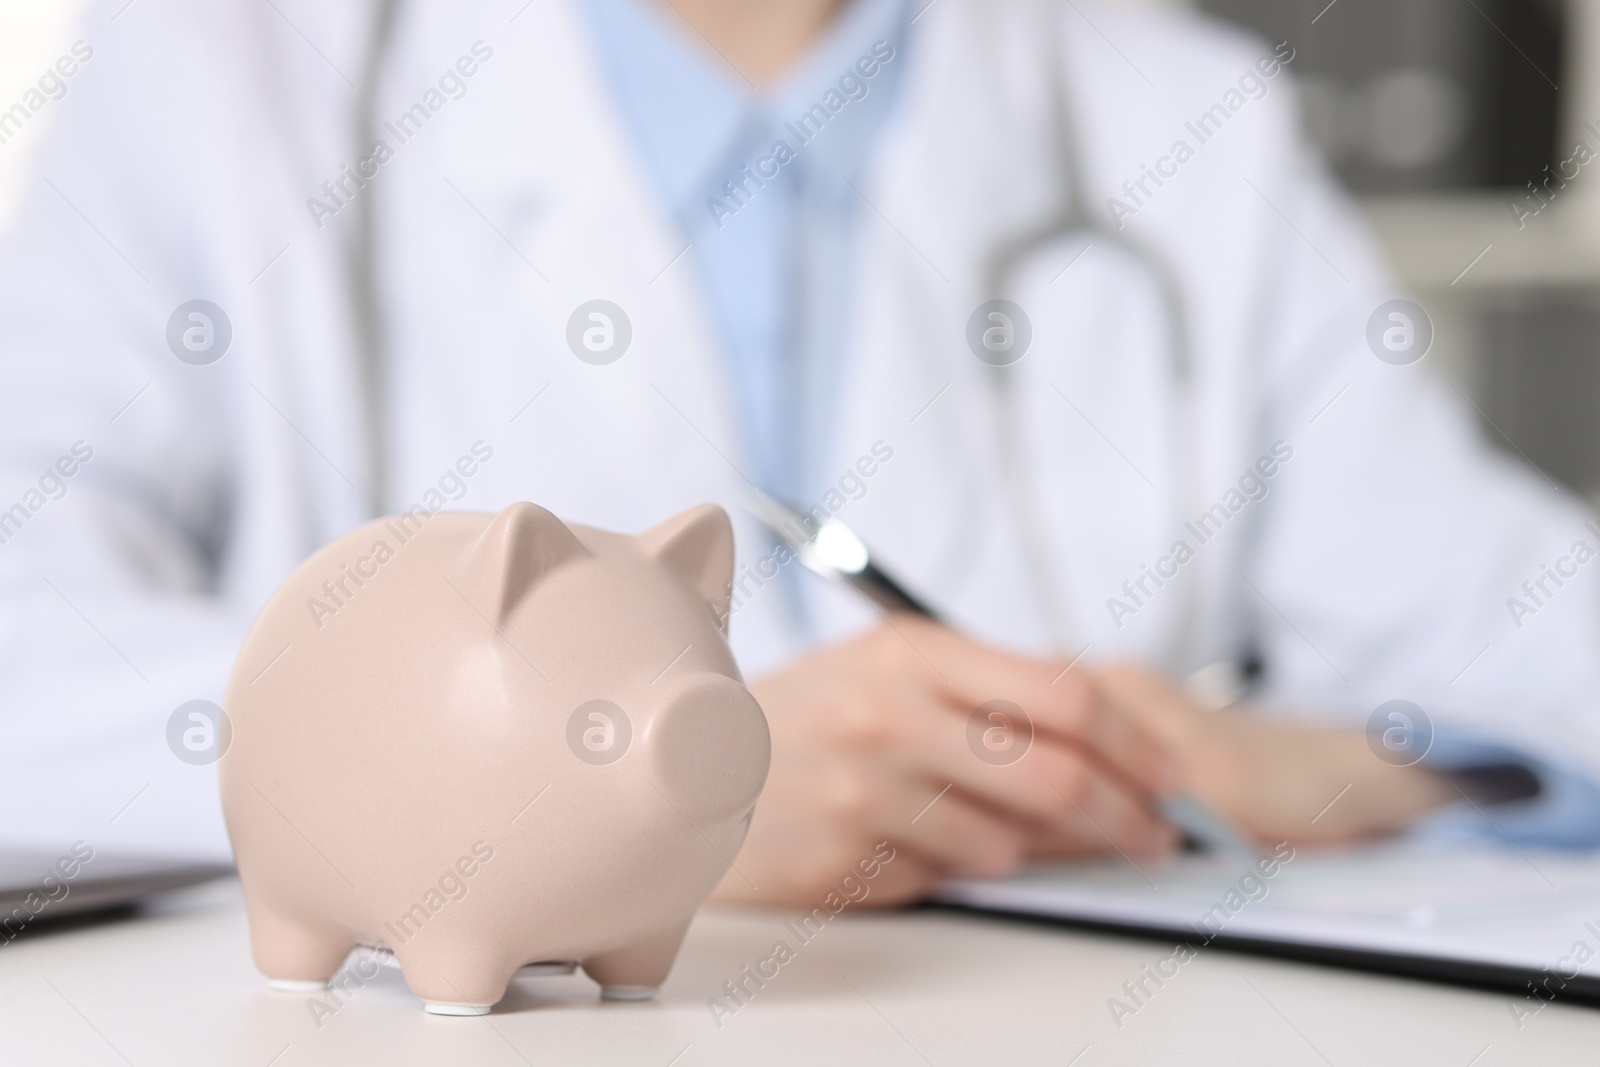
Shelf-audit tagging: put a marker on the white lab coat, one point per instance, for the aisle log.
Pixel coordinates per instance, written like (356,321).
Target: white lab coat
(181,164)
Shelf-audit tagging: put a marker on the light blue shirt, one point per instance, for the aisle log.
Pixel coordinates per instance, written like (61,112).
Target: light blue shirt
(763,186)
(771,232)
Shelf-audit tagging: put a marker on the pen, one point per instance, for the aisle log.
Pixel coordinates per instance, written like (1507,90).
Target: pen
(834,551)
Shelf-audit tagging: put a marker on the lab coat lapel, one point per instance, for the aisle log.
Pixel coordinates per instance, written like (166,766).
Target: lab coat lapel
(940,513)
(554,197)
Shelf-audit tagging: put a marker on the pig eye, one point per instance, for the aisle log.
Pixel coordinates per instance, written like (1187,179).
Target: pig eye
(710,748)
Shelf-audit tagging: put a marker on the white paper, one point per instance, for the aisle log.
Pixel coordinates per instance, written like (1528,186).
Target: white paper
(1525,909)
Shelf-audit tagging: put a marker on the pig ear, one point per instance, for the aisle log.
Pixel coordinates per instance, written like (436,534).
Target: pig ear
(697,546)
(519,547)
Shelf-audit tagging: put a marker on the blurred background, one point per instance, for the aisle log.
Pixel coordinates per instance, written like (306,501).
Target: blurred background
(1458,125)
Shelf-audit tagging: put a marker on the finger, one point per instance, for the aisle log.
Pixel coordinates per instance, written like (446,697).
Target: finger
(1056,701)
(1146,697)
(1106,817)
(1069,708)
(958,837)
(905,879)
(1046,845)
(1041,784)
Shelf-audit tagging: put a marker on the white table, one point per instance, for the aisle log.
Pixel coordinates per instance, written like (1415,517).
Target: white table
(883,989)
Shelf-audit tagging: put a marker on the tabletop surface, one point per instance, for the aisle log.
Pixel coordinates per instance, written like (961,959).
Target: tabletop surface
(919,987)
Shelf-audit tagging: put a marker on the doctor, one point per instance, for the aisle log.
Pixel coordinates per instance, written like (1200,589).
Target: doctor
(286,266)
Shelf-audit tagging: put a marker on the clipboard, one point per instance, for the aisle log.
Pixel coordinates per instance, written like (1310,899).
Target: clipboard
(1524,923)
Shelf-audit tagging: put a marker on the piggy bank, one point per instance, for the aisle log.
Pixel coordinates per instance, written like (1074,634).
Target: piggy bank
(487,741)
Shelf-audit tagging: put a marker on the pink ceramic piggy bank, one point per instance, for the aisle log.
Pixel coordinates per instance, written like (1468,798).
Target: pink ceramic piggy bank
(484,741)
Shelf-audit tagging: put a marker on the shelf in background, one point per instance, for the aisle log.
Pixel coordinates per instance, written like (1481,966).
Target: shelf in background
(1471,244)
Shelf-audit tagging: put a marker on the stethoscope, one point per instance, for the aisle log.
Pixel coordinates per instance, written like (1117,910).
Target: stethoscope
(362,270)
(1072,220)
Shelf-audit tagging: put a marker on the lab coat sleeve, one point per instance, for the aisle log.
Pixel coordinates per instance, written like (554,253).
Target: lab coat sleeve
(1400,556)
(114,489)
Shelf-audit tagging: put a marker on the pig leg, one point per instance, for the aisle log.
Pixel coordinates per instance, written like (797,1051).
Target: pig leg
(635,971)
(295,957)
(456,978)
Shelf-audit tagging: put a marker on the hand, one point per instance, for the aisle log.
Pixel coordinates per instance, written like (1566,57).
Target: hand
(1277,780)
(865,736)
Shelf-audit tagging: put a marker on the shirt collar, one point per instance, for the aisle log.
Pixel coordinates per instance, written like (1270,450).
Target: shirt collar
(696,120)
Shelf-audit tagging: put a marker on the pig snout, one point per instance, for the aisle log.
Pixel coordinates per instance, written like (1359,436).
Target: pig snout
(710,748)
